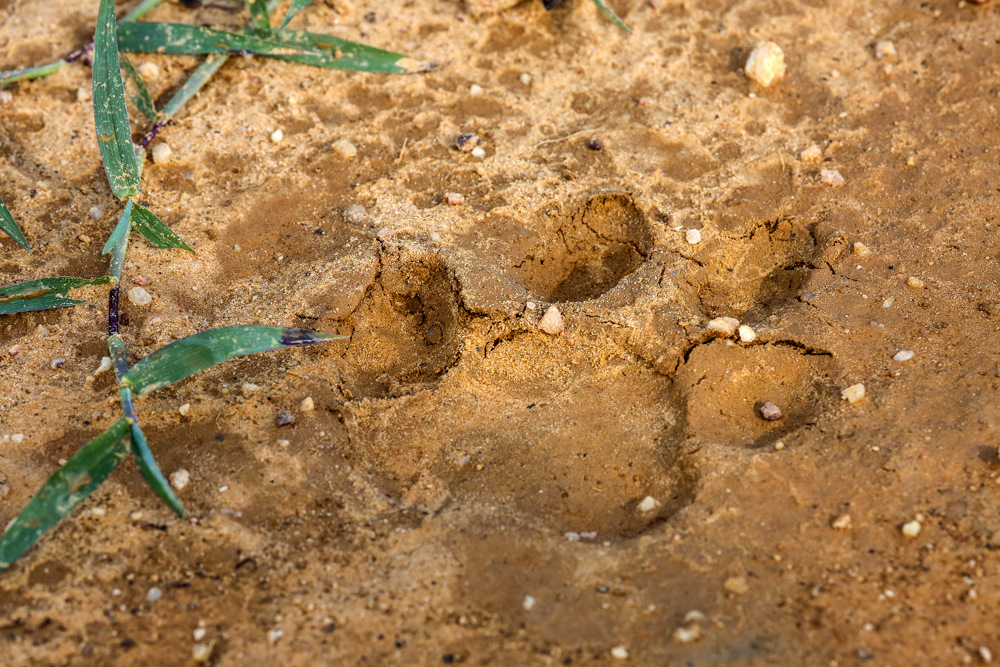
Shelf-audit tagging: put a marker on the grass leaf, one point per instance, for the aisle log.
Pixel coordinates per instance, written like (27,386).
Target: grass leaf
(43,294)
(611,16)
(114,135)
(187,356)
(157,233)
(139,93)
(31,72)
(299,47)
(64,490)
(10,228)
(258,10)
(121,229)
(297,6)
(147,466)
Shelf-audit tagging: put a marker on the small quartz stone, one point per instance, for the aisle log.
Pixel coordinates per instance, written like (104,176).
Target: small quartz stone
(766,64)
(831,177)
(737,585)
(148,70)
(57,363)
(747,334)
(693,236)
(478,152)
(648,504)
(277,136)
(903,355)
(771,412)
(885,49)
(139,296)
(180,478)
(307,404)
(842,522)
(911,528)
(184,409)
(201,652)
(552,321)
(104,366)
(285,419)
(96,212)
(915,283)
(454,199)
(161,153)
(854,393)
(723,327)
(141,281)
(345,148)
(619,653)
(861,250)
(811,154)
(355,214)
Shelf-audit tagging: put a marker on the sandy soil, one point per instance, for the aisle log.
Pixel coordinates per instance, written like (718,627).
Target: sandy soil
(468,488)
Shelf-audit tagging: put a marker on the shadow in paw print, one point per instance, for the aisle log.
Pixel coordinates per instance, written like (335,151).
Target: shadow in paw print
(405,332)
(569,441)
(725,386)
(582,255)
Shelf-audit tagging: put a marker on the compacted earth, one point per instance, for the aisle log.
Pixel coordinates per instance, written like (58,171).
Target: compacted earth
(472,486)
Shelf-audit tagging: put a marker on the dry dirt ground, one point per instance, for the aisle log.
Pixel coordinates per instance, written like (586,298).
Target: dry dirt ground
(468,488)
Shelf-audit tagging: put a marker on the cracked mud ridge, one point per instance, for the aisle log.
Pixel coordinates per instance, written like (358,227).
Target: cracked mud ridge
(469,488)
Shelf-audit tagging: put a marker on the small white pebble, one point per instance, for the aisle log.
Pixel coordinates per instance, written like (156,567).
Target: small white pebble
(17,438)
(98,511)
(531,305)
(274,635)
(154,594)
(861,250)
(201,652)
(199,634)
(552,321)
(6,97)
(572,537)
(454,199)
(283,443)
(648,504)
(526,79)
(528,603)
(148,70)
(723,326)
(475,89)
(180,478)
(687,635)
(903,355)
(478,152)
(277,136)
(885,49)
(747,334)
(842,522)
(693,236)
(161,153)
(83,94)
(223,488)
(96,212)
(184,409)
(355,214)
(911,528)
(888,302)
(766,64)
(811,154)
(104,366)
(307,404)
(248,389)
(985,654)
(831,177)
(345,148)
(434,237)
(385,233)
(619,653)
(854,393)
(139,296)
(915,283)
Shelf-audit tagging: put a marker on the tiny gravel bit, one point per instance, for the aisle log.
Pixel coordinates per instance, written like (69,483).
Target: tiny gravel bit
(284,419)
(771,412)
(595,144)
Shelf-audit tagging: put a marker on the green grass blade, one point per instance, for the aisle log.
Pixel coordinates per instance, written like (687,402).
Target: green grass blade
(114,135)
(157,233)
(43,294)
(336,53)
(147,466)
(121,229)
(258,10)
(187,356)
(31,72)
(611,16)
(138,92)
(297,6)
(304,48)
(76,480)
(10,228)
